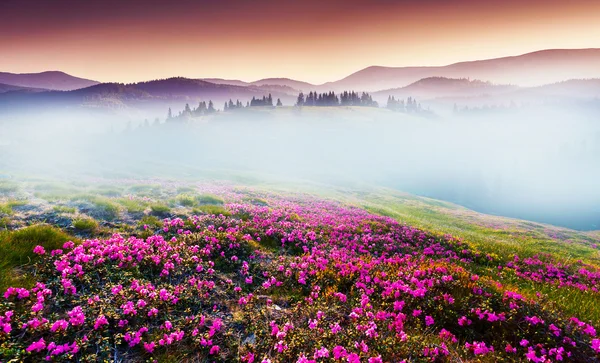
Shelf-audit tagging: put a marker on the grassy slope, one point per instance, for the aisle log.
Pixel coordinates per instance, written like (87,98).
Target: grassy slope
(499,236)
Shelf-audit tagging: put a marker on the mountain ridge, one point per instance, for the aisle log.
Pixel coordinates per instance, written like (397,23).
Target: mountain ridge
(529,69)
(50,80)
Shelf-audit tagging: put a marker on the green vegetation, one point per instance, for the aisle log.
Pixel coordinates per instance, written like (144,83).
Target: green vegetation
(209,199)
(110,192)
(64,209)
(54,191)
(16,250)
(8,207)
(136,206)
(103,207)
(256,201)
(211,209)
(85,224)
(150,221)
(149,190)
(160,210)
(7,187)
(502,238)
(185,200)
(185,190)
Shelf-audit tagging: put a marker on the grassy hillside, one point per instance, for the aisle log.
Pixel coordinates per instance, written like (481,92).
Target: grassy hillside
(284,272)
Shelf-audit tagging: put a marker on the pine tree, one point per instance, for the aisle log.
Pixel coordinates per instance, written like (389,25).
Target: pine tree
(279,104)
(300,100)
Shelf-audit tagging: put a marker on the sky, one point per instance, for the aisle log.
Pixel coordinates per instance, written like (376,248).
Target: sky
(310,40)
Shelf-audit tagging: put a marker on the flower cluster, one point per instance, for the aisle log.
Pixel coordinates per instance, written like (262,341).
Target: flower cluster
(296,280)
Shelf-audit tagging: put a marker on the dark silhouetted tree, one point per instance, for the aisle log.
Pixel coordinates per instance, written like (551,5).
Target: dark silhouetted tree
(300,100)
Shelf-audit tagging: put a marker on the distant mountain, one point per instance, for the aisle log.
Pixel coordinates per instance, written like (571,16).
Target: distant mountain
(231,82)
(531,69)
(437,87)
(143,94)
(588,88)
(290,85)
(52,80)
(297,85)
(12,88)
(446,92)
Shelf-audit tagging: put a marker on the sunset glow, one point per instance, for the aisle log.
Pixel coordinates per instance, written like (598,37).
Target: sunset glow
(314,41)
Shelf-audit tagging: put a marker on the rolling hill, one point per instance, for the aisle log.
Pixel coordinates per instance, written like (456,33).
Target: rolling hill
(531,69)
(51,80)
(143,94)
(290,85)
(437,87)
(11,88)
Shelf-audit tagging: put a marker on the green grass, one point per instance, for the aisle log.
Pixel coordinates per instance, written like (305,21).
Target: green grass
(151,221)
(503,238)
(85,224)
(185,190)
(256,201)
(211,209)
(185,200)
(209,199)
(64,209)
(109,192)
(7,187)
(16,249)
(8,207)
(5,209)
(133,205)
(54,191)
(160,210)
(150,190)
(105,207)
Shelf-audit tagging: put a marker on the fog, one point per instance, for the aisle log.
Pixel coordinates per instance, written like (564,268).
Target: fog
(539,163)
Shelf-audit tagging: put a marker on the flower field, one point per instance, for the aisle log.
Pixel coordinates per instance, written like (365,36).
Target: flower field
(288,278)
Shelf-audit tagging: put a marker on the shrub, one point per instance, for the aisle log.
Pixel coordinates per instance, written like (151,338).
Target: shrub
(209,199)
(150,221)
(185,200)
(104,208)
(160,210)
(8,207)
(85,224)
(135,206)
(16,248)
(185,190)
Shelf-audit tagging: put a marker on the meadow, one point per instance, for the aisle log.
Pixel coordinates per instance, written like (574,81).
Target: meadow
(171,271)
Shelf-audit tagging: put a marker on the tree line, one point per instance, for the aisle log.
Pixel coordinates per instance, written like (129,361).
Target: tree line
(202,109)
(346,98)
(331,99)
(410,105)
